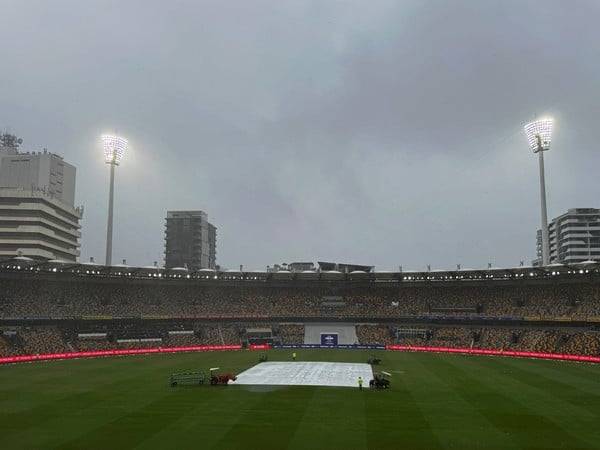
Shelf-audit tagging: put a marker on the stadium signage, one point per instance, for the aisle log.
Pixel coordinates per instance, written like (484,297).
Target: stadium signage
(204,348)
(259,347)
(347,346)
(329,339)
(482,351)
(91,335)
(101,353)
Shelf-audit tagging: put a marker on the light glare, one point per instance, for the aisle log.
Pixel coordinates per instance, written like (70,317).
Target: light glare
(114,148)
(541,128)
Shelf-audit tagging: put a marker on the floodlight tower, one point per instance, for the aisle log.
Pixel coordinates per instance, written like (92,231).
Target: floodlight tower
(114,149)
(539,135)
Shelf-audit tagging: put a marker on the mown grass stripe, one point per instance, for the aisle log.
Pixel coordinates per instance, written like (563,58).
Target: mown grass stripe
(487,393)
(578,421)
(466,401)
(330,411)
(578,373)
(449,411)
(127,431)
(198,424)
(395,419)
(272,422)
(539,379)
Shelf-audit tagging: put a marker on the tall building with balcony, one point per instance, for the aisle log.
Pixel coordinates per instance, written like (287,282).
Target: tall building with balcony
(190,240)
(574,237)
(38,218)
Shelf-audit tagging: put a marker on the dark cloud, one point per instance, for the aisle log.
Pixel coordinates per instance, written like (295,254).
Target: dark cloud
(378,132)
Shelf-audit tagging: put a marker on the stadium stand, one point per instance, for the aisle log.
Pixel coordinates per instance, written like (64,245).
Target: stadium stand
(45,312)
(374,334)
(291,333)
(98,298)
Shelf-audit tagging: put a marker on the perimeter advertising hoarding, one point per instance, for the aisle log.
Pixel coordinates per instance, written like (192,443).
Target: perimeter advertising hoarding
(121,352)
(349,346)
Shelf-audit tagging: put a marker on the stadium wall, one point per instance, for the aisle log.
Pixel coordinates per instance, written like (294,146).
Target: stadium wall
(339,346)
(126,352)
(487,352)
(204,348)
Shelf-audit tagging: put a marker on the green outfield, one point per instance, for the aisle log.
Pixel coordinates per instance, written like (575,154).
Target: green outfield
(436,401)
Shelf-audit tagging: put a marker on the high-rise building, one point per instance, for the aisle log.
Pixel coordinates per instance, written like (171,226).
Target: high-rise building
(37,225)
(212,246)
(38,218)
(190,240)
(574,237)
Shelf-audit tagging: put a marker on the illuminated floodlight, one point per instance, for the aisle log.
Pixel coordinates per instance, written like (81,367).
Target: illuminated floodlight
(114,148)
(539,134)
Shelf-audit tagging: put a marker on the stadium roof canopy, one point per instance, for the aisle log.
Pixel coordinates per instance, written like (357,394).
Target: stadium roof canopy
(343,267)
(23,264)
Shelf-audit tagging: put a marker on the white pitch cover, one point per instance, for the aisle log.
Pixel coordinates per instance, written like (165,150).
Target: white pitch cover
(300,373)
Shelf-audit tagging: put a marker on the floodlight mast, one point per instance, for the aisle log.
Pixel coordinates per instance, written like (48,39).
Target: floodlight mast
(539,135)
(114,149)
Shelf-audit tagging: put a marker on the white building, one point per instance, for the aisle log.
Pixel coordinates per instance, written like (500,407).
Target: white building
(574,237)
(43,171)
(37,214)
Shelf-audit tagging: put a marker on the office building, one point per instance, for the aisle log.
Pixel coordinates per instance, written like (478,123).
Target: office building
(190,240)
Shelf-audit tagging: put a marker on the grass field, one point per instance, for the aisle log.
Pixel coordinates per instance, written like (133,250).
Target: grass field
(436,401)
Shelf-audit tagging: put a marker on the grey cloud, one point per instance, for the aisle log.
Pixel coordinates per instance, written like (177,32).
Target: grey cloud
(377,132)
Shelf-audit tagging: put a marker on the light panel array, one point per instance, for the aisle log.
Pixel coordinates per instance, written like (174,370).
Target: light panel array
(114,148)
(541,128)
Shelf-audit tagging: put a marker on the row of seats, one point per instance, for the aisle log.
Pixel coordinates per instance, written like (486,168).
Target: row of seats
(79,297)
(16,340)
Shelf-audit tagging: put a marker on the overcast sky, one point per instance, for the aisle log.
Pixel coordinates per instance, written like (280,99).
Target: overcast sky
(374,132)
